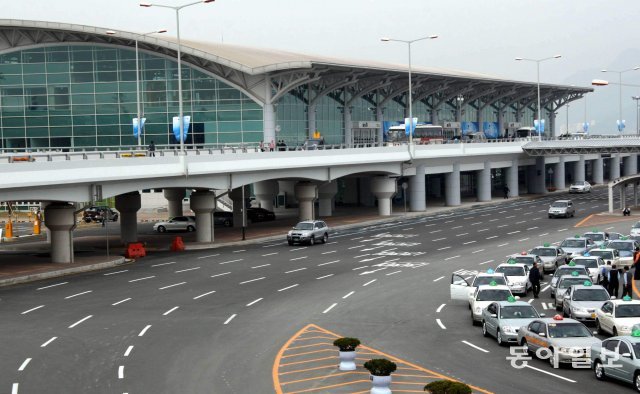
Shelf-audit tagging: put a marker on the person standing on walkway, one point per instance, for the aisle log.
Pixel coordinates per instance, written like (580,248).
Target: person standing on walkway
(506,191)
(272,146)
(627,283)
(534,278)
(152,149)
(604,275)
(614,282)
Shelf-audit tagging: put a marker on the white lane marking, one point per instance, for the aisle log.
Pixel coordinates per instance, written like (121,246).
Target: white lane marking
(546,288)
(440,324)
(394,272)
(532,228)
(187,269)
(303,248)
(139,279)
(144,330)
(79,294)
(543,234)
(269,254)
(32,309)
(438,239)
(224,273)
(347,295)
(239,251)
(330,308)
(509,217)
(492,237)
(462,234)
(121,301)
(47,287)
(609,228)
(298,258)
(357,246)
(173,285)
(502,225)
(330,262)
(484,229)
(456,227)
(437,279)
(161,264)
(230,261)
(369,282)
(362,255)
(260,266)
(446,247)
(170,310)
(434,231)
(493,220)
(270,246)
(563,229)
(440,308)
(408,228)
(359,268)
(353,239)
(469,242)
(14,388)
(476,223)
(326,276)
(452,257)
(81,320)
(530,301)
(475,347)
(550,374)
(211,255)
(477,251)
(449,221)
(255,301)
(230,318)
(520,222)
(24,364)
(48,342)
(333,251)
(288,287)
(121,372)
(504,244)
(299,269)
(486,262)
(523,239)
(429,225)
(252,280)
(114,273)
(128,352)
(205,294)
(513,232)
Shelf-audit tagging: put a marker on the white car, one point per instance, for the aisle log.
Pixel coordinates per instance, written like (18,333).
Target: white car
(635,230)
(461,286)
(484,296)
(178,223)
(517,275)
(608,255)
(593,264)
(580,187)
(617,317)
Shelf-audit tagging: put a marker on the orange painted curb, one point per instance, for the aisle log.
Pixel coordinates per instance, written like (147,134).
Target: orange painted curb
(583,220)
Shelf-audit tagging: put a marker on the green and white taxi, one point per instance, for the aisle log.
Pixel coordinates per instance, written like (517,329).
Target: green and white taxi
(618,358)
(503,319)
(567,269)
(593,264)
(581,302)
(517,275)
(564,283)
(617,317)
(462,288)
(484,296)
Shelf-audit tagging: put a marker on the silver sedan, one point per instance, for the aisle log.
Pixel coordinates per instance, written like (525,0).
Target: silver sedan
(503,319)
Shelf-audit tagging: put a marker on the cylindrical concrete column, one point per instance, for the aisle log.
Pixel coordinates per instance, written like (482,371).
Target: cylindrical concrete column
(614,167)
(128,205)
(417,190)
(578,172)
(268,113)
(598,171)
(265,192)
(452,186)
(559,175)
(512,179)
(383,188)
(623,196)
(347,127)
(238,204)
(306,195)
(483,180)
(326,192)
(60,219)
(311,119)
(174,196)
(539,177)
(203,203)
(631,164)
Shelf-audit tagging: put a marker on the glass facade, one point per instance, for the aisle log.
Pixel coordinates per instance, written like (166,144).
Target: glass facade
(85,96)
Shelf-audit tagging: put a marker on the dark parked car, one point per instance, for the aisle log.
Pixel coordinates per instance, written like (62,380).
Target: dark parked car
(223,218)
(260,215)
(97,214)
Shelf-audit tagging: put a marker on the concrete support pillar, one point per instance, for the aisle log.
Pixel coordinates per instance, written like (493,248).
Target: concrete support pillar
(452,186)
(614,167)
(174,196)
(539,186)
(380,118)
(203,203)
(598,171)
(631,164)
(265,192)
(383,188)
(306,195)
(348,139)
(128,205)
(512,179)
(480,117)
(60,219)
(483,180)
(501,123)
(238,204)
(311,119)
(434,116)
(623,196)
(326,192)
(417,190)
(286,188)
(578,172)
(268,114)
(552,124)
(559,175)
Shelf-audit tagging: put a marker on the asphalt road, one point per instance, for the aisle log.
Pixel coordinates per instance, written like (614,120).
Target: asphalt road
(213,321)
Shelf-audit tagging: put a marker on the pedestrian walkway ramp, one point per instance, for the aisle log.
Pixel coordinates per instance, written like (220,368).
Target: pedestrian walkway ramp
(308,363)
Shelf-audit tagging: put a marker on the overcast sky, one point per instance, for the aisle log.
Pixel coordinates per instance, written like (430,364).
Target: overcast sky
(481,36)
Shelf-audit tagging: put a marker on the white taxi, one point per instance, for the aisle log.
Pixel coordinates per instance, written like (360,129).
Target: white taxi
(617,317)
(593,264)
(517,275)
(484,296)
(462,288)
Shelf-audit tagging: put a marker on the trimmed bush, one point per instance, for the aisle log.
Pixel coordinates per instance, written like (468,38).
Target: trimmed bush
(380,367)
(447,387)
(347,344)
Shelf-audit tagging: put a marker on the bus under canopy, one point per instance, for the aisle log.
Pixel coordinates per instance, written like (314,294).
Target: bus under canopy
(423,134)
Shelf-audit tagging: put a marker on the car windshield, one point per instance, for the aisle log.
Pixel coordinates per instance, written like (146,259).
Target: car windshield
(573,243)
(569,270)
(630,310)
(304,226)
(518,312)
(637,225)
(566,282)
(595,237)
(590,295)
(558,204)
(511,271)
(486,280)
(568,330)
(493,295)
(525,260)
(621,246)
(605,254)
(589,263)
(636,349)
(544,252)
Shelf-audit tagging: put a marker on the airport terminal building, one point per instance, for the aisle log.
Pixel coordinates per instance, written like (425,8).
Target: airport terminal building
(72,86)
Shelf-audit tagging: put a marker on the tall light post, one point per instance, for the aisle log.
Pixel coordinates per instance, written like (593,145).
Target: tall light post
(637,100)
(568,119)
(409,42)
(179,58)
(604,70)
(139,106)
(538,61)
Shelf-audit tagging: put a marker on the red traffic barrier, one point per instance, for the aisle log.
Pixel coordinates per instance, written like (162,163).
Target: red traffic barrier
(135,250)
(177,245)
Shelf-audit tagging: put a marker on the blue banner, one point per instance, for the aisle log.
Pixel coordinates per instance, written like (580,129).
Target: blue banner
(136,129)
(621,125)
(585,127)
(176,127)
(539,126)
(409,127)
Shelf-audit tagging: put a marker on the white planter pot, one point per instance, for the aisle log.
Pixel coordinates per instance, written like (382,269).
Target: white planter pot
(347,361)
(380,384)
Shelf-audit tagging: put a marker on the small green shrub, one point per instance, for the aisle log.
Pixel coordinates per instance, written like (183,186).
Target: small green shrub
(447,387)
(380,367)
(347,344)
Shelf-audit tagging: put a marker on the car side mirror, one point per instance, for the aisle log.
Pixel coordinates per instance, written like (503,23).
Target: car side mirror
(608,314)
(517,297)
(613,297)
(566,297)
(543,314)
(542,334)
(494,315)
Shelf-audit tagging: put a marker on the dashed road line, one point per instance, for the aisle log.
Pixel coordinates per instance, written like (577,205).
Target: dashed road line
(48,342)
(523,239)
(296,249)
(255,301)
(173,285)
(260,266)
(230,261)
(239,251)
(440,308)
(394,272)
(330,308)
(484,229)
(50,286)
(224,273)
(549,373)
(144,330)
(289,287)
(359,268)
(513,232)
(32,309)
(269,254)
(121,372)
(348,295)
(80,321)
(330,262)
(452,257)
(299,258)
(170,310)
(462,234)
(296,270)
(440,324)
(114,273)
(492,237)
(477,251)
(369,282)
(78,294)
(325,276)
(252,280)
(487,262)
(187,269)
(443,248)
(563,229)
(469,242)
(532,228)
(333,251)
(211,255)
(24,364)
(204,294)
(14,388)
(139,279)
(128,351)
(475,347)
(504,244)
(438,239)
(437,279)
(121,301)
(543,234)
(161,264)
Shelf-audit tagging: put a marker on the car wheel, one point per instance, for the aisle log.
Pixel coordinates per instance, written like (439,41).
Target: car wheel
(615,332)
(525,346)
(598,370)
(598,327)
(550,217)
(473,321)
(312,240)
(162,229)
(325,238)
(558,307)
(290,243)
(227,223)
(552,358)
(499,338)
(191,229)
(87,220)
(484,329)
(636,381)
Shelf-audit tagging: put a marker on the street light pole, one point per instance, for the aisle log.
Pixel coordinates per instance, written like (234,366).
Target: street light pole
(620,126)
(179,58)
(637,100)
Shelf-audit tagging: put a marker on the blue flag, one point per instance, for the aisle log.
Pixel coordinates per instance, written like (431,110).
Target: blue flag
(138,129)
(176,127)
